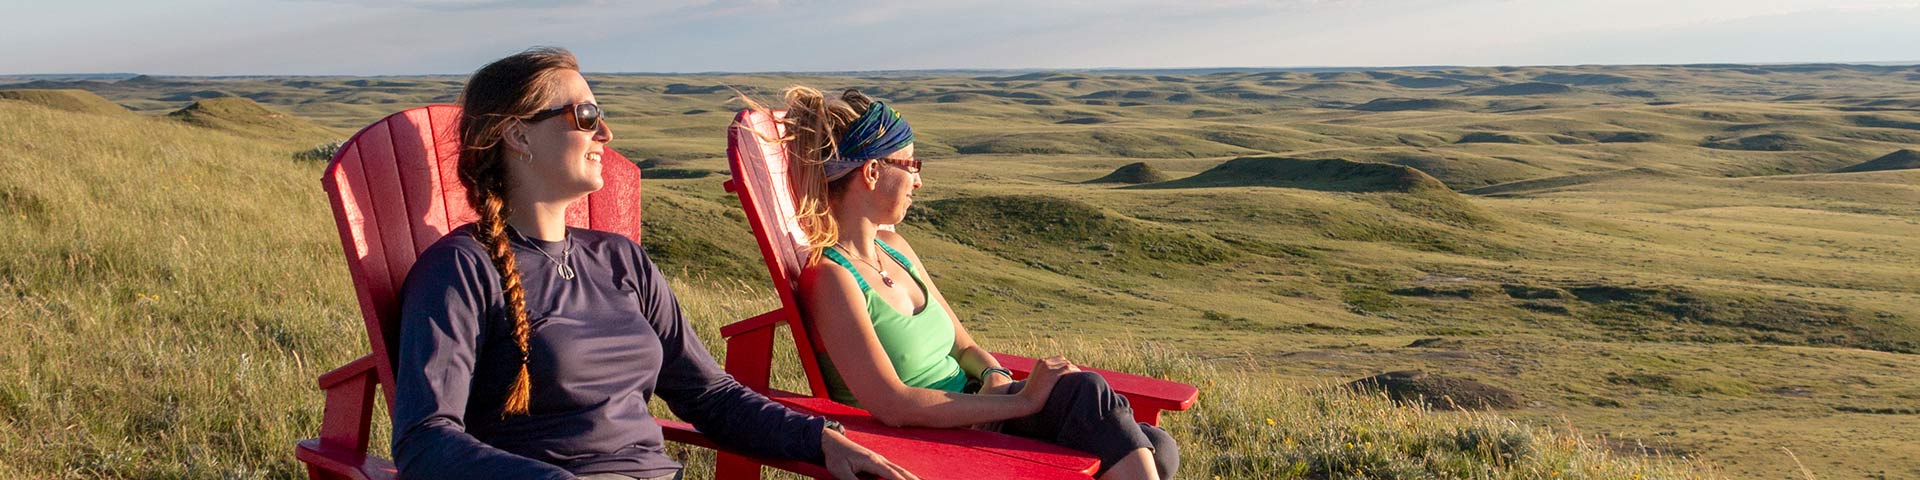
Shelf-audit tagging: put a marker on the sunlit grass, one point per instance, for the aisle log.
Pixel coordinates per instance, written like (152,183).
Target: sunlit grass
(173,292)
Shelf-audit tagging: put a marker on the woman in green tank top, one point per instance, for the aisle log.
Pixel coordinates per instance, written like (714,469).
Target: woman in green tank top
(888,341)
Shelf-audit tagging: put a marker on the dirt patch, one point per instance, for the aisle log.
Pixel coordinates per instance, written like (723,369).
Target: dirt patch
(1434,391)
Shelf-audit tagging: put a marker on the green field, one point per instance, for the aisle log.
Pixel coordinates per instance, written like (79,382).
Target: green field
(1678,271)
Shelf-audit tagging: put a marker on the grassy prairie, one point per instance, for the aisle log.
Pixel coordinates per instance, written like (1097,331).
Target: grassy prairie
(1661,263)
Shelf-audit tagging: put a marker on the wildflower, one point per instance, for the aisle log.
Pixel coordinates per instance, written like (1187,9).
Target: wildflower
(1270,422)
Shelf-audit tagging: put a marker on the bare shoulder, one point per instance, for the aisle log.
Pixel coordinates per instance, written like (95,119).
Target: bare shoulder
(825,279)
(898,242)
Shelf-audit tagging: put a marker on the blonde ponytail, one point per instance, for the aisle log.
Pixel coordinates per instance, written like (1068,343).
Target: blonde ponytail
(814,125)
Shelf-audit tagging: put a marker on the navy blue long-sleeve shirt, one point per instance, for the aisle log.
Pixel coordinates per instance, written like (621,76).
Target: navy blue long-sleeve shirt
(602,345)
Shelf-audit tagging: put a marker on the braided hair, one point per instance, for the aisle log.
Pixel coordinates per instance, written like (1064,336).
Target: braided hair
(498,95)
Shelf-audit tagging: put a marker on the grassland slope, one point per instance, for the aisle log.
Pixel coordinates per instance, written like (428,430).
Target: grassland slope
(243,116)
(71,100)
(205,265)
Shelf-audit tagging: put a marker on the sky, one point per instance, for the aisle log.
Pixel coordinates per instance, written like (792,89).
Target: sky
(403,37)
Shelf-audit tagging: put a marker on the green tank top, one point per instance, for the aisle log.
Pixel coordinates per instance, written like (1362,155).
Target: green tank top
(919,345)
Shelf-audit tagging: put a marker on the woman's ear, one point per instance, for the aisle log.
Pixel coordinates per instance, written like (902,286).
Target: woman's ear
(871,173)
(515,139)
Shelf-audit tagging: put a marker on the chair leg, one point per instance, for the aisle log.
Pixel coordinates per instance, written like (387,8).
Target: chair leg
(728,466)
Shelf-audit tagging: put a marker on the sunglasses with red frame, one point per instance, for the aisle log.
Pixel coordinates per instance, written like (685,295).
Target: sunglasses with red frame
(908,164)
(586,116)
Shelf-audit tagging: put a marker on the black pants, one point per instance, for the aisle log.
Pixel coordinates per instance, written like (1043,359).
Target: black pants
(1085,414)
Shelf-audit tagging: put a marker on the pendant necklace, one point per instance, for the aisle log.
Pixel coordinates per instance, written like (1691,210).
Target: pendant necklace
(876,265)
(562,264)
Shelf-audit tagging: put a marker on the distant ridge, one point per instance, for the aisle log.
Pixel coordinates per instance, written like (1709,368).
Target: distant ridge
(1902,159)
(1404,104)
(1527,88)
(1133,173)
(244,117)
(69,100)
(1332,175)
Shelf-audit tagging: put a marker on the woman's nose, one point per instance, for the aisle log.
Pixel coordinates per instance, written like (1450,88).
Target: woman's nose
(916,181)
(603,134)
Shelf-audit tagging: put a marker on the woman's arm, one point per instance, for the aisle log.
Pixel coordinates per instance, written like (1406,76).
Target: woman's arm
(441,306)
(700,391)
(833,302)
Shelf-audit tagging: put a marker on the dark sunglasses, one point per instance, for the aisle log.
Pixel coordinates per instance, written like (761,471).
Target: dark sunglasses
(586,116)
(908,164)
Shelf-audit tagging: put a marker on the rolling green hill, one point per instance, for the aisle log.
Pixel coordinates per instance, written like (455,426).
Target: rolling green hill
(1655,256)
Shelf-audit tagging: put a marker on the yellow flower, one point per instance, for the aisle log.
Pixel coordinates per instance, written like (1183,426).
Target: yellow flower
(1349,445)
(1270,422)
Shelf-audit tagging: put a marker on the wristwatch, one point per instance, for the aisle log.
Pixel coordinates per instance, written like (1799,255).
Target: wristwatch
(835,426)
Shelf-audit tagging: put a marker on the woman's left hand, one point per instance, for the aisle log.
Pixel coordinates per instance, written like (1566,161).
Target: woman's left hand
(846,460)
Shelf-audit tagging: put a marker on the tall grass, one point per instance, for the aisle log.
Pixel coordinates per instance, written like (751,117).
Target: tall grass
(172,292)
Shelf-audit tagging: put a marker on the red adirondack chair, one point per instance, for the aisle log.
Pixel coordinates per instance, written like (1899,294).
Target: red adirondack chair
(760,181)
(395,191)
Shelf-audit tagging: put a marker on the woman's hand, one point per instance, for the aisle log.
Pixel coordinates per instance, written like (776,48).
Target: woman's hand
(1040,381)
(846,460)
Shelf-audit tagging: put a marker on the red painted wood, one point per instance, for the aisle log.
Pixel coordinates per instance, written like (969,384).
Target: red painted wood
(950,453)
(759,169)
(750,358)
(331,463)
(349,409)
(395,190)
(412,131)
(1008,446)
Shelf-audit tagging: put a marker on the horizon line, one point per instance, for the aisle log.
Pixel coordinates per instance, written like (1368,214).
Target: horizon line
(1022,70)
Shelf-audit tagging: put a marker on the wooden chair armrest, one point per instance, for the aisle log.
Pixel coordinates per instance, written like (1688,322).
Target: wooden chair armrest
(683,432)
(326,462)
(1149,396)
(765,320)
(932,453)
(353,370)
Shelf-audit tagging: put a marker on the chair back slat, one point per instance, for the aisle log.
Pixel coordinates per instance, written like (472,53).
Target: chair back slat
(395,191)
(759,163)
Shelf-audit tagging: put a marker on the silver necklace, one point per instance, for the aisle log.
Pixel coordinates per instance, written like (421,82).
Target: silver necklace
(563,264)
(863,259)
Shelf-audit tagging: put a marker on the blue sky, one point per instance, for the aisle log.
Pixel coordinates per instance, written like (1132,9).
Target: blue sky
(371,37)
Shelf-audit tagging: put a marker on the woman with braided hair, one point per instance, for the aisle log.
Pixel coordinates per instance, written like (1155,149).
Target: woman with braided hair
(529,349)
(886,338)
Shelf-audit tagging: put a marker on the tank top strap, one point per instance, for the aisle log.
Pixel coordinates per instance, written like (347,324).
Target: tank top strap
(897,256)
(834,254)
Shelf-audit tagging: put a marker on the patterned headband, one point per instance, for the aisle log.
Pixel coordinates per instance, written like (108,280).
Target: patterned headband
(876,134)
